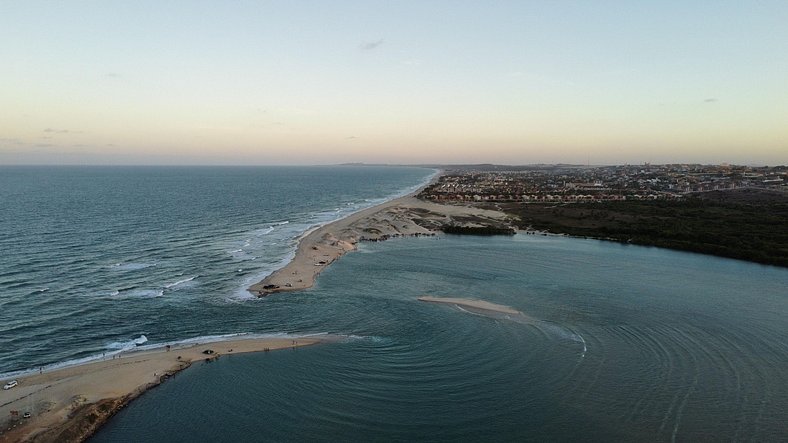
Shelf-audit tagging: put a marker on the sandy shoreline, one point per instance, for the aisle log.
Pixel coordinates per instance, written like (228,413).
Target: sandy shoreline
(401,217)
(71,403)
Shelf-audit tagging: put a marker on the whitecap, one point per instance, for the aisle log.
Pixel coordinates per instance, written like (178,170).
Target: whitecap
(129,344)
(265,231)
(179,282)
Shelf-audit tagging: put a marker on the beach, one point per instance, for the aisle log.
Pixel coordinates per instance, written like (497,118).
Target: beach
(406,216)
(70,403)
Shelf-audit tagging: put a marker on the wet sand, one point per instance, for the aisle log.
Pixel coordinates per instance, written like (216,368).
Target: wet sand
(473,304)
(69,404)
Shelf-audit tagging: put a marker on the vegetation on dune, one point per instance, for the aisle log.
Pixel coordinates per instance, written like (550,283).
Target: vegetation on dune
(744,224)
(477,230)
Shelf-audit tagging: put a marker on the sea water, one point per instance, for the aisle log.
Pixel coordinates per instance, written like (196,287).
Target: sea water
(94,258)
(621,343)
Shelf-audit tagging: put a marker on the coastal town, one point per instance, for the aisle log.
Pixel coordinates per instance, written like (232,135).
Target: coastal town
(725,210)
(566,183)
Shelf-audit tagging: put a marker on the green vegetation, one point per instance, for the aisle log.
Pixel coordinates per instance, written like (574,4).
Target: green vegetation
(478,230)
(744,224)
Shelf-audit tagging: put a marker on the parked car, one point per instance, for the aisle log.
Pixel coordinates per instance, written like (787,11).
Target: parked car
(10,384)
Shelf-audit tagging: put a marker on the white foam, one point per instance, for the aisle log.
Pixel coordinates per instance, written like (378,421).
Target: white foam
(585,348)
(265,231)
(242,293)
(179,282)
(130,344)
(316,221)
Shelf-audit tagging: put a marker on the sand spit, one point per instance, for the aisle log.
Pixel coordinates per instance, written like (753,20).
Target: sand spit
(70,404)
(401,217)
(472,304)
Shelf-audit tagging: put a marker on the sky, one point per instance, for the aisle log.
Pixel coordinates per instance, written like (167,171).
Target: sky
(326,82)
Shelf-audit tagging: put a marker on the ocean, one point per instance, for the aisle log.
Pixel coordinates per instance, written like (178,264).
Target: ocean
(623,343)
(96,258)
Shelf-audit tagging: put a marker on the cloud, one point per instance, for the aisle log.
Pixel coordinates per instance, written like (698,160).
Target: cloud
(368,46)
(112,75)
(60,131)
(710,100)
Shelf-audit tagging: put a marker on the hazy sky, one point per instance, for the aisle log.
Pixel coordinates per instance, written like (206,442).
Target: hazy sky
(314,82)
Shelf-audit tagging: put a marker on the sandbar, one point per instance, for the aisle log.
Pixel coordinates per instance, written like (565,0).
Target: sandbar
(472,303)
(406,216)
(69,404)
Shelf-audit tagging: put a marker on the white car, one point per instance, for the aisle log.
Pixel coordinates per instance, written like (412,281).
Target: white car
(10,384)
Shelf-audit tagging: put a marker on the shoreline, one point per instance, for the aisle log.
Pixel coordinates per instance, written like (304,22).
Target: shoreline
(405,216)
(311,236)
(71,403)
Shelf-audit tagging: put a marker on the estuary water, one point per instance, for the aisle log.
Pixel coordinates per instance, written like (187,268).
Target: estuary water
(621,343)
